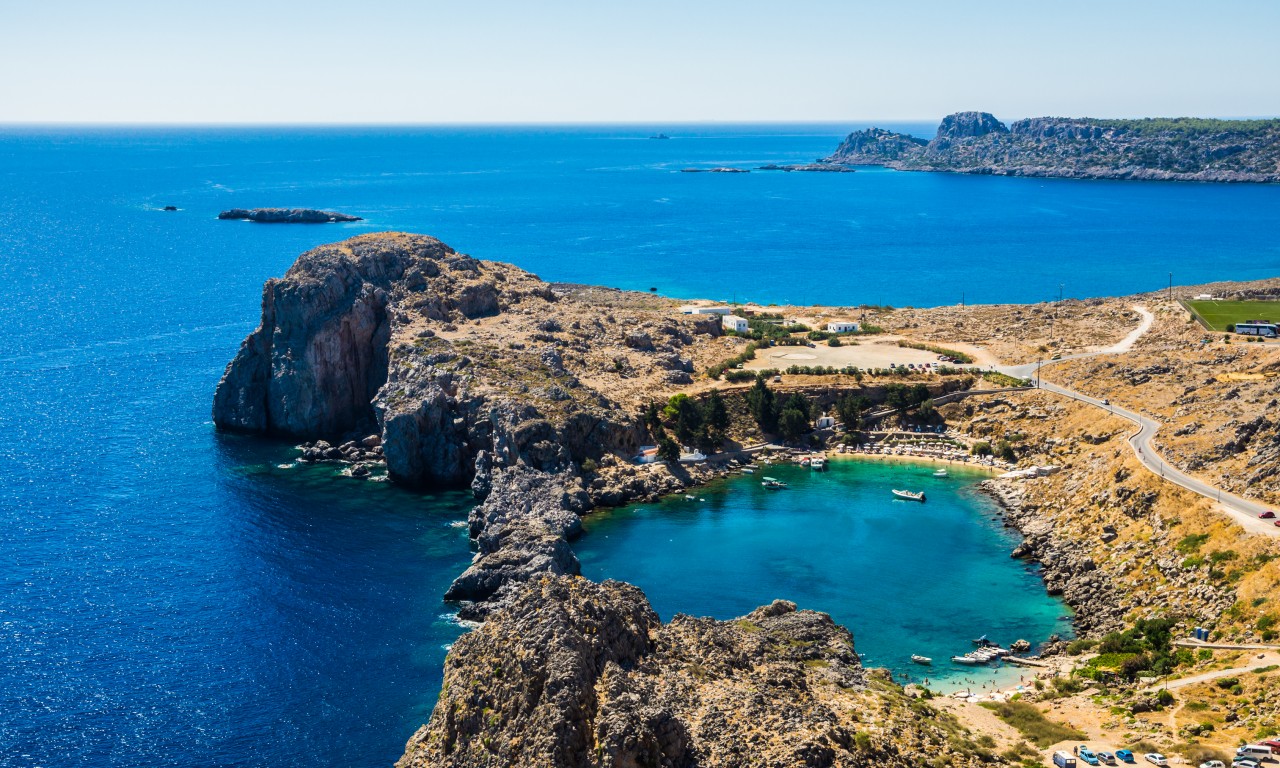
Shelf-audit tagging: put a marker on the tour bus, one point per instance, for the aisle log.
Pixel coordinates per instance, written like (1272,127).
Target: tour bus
(1257,328)
(1064,759)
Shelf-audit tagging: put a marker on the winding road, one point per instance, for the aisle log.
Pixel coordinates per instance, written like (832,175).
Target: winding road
(1244,511)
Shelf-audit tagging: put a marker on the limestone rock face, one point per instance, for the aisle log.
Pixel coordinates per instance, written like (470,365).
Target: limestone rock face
(313,366)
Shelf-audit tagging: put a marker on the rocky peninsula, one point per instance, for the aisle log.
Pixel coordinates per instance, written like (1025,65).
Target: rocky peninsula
(396,349)
(286,216)
(1167,149)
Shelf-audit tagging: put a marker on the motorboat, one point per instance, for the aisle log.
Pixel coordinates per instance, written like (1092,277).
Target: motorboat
(818,462)
(908,495)
(940,473)
(748,471)
(921,659)
(967,660)
(773,484)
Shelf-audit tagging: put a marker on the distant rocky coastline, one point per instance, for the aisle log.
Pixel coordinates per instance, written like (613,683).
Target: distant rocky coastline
(286,216)
(1178,149)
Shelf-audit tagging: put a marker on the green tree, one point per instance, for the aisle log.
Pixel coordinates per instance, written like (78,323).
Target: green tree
(919,394)
(653,417)
(688,420)
(798,402)
(714,413)
(668,449)
(834,341)
(895,397)
(1005,451)
(849,409)
(927,411)
(981,448)
(792,423)
(763,405)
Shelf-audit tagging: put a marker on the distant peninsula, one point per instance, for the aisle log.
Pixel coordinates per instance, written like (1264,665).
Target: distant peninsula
(1172,149)
(286,215)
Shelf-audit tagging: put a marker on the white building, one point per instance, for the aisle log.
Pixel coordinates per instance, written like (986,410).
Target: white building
(735,323)
(692,309)
(825,422)
(841,326)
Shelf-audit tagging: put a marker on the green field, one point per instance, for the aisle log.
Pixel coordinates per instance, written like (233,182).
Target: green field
(1219,314)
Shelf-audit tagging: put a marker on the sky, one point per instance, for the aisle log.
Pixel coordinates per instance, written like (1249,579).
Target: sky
(601,61)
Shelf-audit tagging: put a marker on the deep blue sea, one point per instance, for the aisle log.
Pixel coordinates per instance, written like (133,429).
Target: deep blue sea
(169,596)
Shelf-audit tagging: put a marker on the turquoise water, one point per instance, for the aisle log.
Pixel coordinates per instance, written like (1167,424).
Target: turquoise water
(169,597)
(907,578)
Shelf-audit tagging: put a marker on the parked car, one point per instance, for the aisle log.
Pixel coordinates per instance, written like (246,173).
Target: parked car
(1086,754)
(1278,523)
(1273,743)
(1268,515)
(1155,758)
(1212,764)
(1106,758)
(1245,762)
(1124,755)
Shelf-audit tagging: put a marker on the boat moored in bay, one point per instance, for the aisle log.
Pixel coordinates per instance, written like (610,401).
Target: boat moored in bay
(908,495)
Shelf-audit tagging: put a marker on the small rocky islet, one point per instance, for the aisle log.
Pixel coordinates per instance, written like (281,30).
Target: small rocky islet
(286,216)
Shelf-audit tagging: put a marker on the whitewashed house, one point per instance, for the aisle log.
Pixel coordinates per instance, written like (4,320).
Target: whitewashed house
(693,309)
(825,422)
(841,326)
(735,323)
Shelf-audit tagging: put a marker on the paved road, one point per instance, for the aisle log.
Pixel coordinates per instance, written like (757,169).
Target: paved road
(1261,660)
(1244,511)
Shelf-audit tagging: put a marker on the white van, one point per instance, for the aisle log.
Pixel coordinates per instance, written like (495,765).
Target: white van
(1254,750)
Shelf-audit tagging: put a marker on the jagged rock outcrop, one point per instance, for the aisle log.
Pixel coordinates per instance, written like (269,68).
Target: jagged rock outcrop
(286,216)
(573,674)
(1184,149)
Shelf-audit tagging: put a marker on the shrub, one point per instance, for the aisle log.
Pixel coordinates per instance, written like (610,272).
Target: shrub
(1032,724)
(1189,544)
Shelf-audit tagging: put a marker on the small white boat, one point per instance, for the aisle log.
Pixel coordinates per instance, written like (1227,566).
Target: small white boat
(908,495)
(818,462)
(748,471)
(940,473)
(921,659)
(773,484)
(966,660)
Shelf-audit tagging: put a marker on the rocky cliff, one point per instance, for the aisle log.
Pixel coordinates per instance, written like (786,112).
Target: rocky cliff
(1183,149)
(574,673)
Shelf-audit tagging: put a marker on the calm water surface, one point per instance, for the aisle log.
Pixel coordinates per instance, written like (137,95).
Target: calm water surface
(906,577)
(171,597)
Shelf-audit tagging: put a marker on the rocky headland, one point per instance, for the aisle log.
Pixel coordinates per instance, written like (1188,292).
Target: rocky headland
(286,216)
(1168,149)
(455,372)
(573,673)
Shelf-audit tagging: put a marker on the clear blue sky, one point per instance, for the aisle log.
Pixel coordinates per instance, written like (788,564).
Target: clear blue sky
(405,61)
